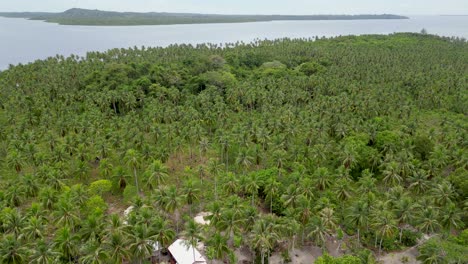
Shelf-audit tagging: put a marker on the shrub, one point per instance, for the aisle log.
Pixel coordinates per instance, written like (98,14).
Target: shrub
(96,205)
(100,187)
(409,238)
(347,259)
(436,250)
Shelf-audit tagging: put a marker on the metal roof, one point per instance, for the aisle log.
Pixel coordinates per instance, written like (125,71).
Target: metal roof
(183,253)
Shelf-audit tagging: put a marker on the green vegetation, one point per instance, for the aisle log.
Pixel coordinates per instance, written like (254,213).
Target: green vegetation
(451,250)
(87,17)
(288,143)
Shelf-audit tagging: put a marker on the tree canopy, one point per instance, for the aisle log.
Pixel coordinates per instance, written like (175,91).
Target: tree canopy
(286,143)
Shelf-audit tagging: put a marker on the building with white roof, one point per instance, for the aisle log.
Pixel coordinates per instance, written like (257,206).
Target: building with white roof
(183,253)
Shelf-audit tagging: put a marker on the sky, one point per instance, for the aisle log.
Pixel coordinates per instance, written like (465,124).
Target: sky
(291,7)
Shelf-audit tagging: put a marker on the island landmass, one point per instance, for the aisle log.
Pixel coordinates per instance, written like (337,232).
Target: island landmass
(86,17)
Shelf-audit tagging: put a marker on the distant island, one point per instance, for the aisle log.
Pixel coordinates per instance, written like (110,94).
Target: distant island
(86,17)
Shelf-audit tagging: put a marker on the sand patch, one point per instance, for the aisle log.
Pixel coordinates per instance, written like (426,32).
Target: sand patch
(407,257)
(200,218)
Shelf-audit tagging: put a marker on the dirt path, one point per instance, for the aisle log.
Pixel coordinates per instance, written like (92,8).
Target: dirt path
(306,255)
(407,256)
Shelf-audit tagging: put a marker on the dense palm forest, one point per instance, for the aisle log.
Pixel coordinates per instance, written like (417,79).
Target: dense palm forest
(286,143)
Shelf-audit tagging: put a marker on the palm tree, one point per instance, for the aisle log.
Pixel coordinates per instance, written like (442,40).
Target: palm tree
(121,177)
(291,195)
(317,231)
(204,144)
(214,167)
(163,233)
(216,209)
(385,223)
(92,228)
(105,168)
(264,236)
(323,178)
(116,243)
(93,253)
(192,233)
(172,201)
(303,212)
(48,197)
(231,183)
(271,189)
(31,185)
(141,242)
(419,181)
(391,173)
(34,228)
(244,159)
(443,193)
(13,222)
(12,251)
(66,214)
(328,218)
(230,221)
(218,244)
(43,253)
(452,217)
(65,242)
(191,192)
(343,189)
(357,215)
(15,195)
(252,185)
(79,194)
(404,210)
(156,174)
(349,156)
(15,160)
(132,159)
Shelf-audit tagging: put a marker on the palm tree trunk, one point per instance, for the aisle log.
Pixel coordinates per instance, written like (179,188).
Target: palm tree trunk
(401,233)
(271,204)
(302,236)
(193,249)
(380,247)
(216,186)
(227,160)
(136,180)
(358,237)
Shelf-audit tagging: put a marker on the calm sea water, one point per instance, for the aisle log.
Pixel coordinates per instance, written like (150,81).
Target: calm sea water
(23,41)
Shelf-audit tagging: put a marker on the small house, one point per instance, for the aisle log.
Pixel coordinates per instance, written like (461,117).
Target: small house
(183,253)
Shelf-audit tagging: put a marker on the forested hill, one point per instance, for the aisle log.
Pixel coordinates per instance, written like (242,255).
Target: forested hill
(78,16)
(354,145)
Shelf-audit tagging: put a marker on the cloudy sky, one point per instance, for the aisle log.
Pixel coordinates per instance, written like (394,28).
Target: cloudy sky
(413,7)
